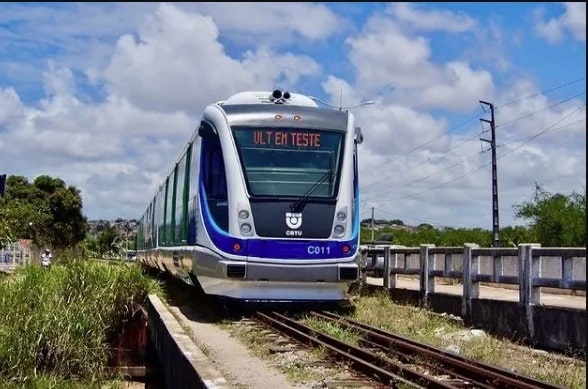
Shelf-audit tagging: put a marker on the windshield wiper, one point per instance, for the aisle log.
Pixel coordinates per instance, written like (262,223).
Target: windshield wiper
(299,204)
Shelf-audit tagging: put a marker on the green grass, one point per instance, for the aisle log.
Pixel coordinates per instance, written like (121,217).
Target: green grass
(56,324)
(422,325)
(333,330)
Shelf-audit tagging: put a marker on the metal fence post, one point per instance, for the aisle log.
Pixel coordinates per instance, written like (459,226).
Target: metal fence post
(528,295)
(427,283)
(471,287)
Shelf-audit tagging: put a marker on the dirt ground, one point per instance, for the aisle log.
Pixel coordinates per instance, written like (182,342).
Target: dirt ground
(232,359)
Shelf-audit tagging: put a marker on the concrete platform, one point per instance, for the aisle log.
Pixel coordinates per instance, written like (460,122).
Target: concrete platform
(183,363)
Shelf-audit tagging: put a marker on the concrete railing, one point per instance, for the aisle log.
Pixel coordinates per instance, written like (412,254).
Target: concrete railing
(529,268)
(536,267)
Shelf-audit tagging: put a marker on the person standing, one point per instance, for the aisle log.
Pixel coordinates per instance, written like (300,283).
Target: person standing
(46,258)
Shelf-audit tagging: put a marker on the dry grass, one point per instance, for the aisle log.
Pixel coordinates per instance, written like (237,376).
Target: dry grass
(442,332)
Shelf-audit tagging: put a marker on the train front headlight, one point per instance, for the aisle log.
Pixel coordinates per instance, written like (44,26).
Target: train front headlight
(243,214)
(341,216)
(245,228)
(339,230)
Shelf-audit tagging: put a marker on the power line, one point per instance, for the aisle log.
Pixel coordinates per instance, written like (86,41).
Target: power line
(380,179)
(550,128)
(541,93)
(415,148)
(525,139)
(422,162)
(543,109)
(421,145)
(475,136)
(425,177)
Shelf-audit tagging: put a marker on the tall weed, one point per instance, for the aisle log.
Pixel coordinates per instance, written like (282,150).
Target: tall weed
(60,321)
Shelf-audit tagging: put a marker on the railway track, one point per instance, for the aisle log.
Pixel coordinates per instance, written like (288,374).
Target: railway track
(394,361)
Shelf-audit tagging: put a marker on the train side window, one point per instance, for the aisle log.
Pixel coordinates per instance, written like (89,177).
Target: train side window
(159,230)
(214,176)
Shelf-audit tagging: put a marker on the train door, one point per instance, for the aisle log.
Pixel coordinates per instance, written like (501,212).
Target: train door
(358,139)
(214,178)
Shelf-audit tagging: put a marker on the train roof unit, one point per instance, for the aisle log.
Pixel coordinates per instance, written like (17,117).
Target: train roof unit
(265,97)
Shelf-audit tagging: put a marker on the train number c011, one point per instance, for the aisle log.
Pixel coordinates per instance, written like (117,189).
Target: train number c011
(318,250)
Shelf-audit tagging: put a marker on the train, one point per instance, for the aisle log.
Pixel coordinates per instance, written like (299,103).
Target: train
(262,203)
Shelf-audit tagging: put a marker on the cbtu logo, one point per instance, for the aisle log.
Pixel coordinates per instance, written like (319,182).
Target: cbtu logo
(293,220)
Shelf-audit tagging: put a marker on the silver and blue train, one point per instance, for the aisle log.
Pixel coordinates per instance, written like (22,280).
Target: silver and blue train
(262,203)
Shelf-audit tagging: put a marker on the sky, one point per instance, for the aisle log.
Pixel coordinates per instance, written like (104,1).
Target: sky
(106,95)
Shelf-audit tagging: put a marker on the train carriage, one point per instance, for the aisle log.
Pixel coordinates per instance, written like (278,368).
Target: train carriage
(263,202)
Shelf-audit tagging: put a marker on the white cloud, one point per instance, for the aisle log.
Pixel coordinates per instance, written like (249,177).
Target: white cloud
(387,57)
(384,55)
(153,67)
(272,23)
(540,140)
(573,20)
(157,83)
(411,157)
(58,81)
(458,88)
(430,20)
(64,127)
(285,70)
(387,124)
(10,104)
(83,36)
(522,118)
(177,63)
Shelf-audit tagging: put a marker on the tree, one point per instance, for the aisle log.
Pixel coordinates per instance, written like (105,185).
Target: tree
(366,221)
(512,236)
(556,219)
(108,240)
(45,211)
(68,225)
(20,212)
(6,234)
(90,246)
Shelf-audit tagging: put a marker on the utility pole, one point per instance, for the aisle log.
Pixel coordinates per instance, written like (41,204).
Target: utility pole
(2,184)
(492,141)
(372,225)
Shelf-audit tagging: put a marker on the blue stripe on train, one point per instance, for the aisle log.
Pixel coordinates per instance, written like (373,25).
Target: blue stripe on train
(275,248)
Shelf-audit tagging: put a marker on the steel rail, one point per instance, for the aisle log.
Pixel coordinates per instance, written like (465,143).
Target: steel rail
(483,374)
(388,373)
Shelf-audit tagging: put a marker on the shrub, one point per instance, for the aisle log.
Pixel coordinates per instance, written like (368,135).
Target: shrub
(60,321)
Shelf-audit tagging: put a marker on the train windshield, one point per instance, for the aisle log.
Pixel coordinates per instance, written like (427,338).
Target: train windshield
(290,162)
